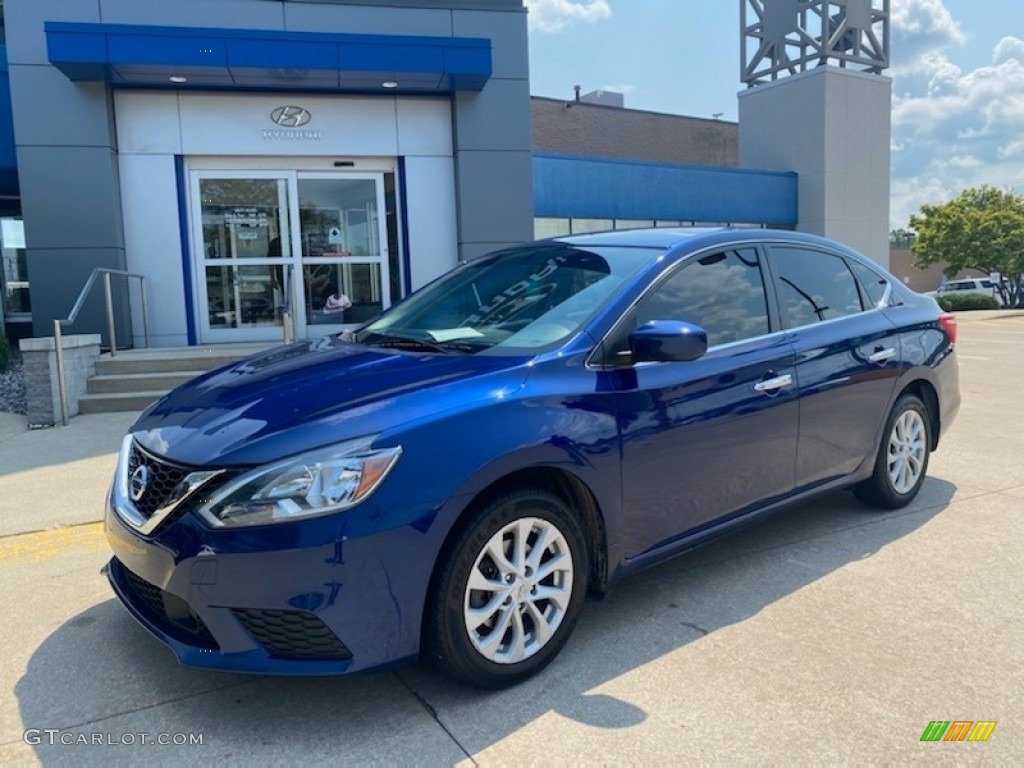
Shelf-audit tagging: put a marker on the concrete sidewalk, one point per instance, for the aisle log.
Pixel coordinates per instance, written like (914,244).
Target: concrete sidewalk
(57,477)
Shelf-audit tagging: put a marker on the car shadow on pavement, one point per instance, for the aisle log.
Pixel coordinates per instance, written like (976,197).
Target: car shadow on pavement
(100,673)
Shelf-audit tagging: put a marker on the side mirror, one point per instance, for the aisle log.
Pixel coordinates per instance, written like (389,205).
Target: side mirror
(664,341)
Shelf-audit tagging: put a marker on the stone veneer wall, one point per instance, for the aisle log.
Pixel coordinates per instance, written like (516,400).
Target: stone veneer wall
(42,389)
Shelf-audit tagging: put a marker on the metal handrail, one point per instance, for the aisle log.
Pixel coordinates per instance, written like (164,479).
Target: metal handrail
(58,336)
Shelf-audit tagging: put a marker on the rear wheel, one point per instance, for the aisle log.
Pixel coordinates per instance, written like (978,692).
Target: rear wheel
(902,461)
(510,592)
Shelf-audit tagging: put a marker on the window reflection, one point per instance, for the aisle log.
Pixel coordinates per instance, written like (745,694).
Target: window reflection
(342,293)
(813,286)
(244,297)
(723,293)
(241,217)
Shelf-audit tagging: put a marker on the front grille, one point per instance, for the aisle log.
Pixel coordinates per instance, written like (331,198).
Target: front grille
(169,612)
(150,595)
(292,635)
(164,479)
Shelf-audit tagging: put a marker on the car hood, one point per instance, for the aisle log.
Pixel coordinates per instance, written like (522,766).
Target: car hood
(310,394)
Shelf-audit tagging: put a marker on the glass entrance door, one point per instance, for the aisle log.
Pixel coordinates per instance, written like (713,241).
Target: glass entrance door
(267,242)
(343,247)
(241,235)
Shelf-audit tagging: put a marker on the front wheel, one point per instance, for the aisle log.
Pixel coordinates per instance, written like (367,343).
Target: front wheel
(902,460)
(510,591)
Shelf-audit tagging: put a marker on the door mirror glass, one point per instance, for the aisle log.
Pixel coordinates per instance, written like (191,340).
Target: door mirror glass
(663,341)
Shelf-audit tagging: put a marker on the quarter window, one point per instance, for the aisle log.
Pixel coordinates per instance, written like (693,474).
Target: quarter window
(813,286)
(723,293)
(874,284)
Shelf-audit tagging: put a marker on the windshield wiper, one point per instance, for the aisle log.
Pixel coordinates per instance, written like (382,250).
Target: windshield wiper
(387,341)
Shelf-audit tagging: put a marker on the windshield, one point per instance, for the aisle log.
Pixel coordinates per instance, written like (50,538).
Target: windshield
(516,302)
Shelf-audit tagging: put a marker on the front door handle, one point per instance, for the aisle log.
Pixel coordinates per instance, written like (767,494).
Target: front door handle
(771,386)
(883,355)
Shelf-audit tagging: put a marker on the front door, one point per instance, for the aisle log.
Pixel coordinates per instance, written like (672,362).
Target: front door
(713,438)
(268,245)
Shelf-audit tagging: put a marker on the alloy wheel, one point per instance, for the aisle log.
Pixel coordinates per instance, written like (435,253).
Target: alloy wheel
(519,590)
(907,451)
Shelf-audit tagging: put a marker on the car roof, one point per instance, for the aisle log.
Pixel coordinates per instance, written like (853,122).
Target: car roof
(662,237)
(695,238)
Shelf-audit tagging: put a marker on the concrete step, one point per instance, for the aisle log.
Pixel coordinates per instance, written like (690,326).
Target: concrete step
(161,363)
(138,382)
(110,403)
(136,377)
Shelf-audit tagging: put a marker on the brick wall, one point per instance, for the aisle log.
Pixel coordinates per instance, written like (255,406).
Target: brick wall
(901,264)
(577,128)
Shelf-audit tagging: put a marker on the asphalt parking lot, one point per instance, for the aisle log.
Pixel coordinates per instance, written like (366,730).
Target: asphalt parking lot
(831,633)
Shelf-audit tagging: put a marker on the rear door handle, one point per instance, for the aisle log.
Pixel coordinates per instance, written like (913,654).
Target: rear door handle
(883,355)
(771,386)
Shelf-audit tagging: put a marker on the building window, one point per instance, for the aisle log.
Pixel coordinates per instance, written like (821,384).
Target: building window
(549,227)
(634,223)
(14,271)
(581,226)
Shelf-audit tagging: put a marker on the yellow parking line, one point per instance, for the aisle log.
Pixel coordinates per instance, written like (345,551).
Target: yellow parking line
(47,545)
(972,357)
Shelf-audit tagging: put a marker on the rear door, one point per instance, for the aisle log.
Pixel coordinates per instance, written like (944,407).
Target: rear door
(847,359)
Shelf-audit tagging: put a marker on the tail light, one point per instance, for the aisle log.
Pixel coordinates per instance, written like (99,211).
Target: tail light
(948,324)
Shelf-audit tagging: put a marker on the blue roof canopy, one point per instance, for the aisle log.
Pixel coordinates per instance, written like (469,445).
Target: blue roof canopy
(149,56)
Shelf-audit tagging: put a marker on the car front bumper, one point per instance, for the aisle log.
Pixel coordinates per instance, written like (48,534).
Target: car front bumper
(310,600)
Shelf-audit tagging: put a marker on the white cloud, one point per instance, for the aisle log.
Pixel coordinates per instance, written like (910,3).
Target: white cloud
(920,27)
(954,129)
(1011,149)
(965,161)
(908,195)
(1007,49)
(556,15)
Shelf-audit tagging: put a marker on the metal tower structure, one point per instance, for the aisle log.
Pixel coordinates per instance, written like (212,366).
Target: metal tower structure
(786,37)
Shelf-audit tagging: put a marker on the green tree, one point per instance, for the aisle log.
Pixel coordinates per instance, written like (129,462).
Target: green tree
(902,238)
(981,229)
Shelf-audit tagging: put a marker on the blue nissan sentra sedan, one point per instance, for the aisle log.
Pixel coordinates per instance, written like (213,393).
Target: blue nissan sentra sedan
(449,481)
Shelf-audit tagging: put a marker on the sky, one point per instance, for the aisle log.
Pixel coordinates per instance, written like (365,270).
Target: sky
(957,72)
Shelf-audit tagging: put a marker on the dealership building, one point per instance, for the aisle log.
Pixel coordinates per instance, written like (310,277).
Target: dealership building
(262,162)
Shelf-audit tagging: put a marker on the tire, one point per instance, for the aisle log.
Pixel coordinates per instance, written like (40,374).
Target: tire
(902,461)
(492,622)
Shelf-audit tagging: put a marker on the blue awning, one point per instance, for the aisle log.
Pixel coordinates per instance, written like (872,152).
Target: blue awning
(176,57)
(569,186)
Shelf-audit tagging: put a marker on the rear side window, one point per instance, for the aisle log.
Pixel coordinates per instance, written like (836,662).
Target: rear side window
(723,293)
(813,286)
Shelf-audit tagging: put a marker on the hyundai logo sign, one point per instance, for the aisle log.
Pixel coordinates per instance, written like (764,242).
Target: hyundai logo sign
(291,117)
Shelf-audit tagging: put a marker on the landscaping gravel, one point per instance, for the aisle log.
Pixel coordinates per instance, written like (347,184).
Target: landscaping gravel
(12,386)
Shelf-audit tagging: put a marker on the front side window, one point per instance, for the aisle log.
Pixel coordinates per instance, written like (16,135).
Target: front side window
(813,286)
(723,293)
(516,302)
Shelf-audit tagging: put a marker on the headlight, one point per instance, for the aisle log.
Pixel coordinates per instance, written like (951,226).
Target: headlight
(310,484)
